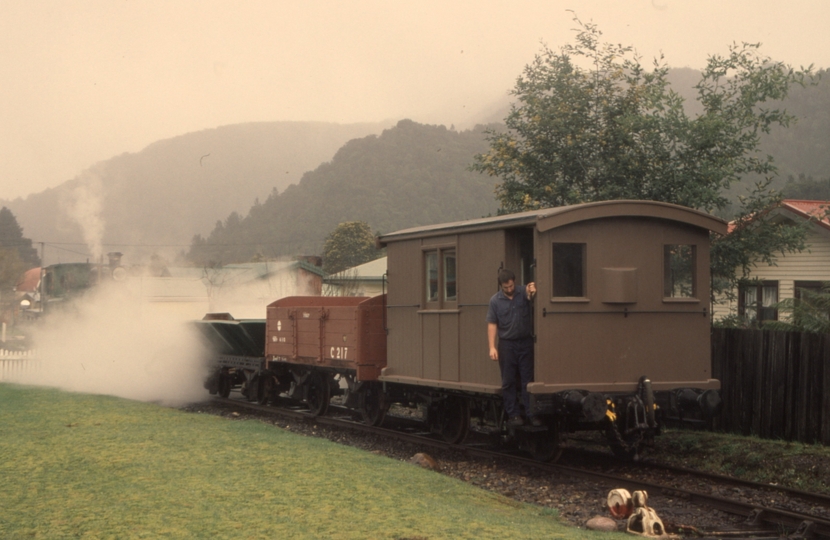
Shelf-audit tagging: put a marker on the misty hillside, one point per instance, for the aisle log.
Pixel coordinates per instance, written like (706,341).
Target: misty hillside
(415,175)
(412,174)
(156,200)
(801,149)
(161,196)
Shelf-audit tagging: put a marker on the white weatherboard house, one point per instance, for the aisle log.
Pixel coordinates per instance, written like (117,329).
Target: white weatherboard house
(366,279)
(791,272)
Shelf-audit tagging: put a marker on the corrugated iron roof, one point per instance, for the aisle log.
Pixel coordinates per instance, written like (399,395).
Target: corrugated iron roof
(30,281)
(814,209)
(236,274)
(805,209)
(370,271)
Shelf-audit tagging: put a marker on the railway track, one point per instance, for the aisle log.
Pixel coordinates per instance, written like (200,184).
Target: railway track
(772,519)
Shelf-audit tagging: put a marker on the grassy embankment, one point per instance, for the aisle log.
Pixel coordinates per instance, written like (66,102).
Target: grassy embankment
(796,465)
(81,466)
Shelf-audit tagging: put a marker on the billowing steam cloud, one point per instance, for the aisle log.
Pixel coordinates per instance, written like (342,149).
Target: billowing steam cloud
(85,208)
(110,342)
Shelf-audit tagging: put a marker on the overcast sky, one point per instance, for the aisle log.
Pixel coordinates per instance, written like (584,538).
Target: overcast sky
(85,80)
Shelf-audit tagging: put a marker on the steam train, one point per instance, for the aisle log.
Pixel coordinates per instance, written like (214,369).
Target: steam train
(621,324)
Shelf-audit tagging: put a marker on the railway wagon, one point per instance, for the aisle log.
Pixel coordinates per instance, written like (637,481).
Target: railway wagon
(325,346)
(307,350)
(621,317)
(621,328)
(238,350)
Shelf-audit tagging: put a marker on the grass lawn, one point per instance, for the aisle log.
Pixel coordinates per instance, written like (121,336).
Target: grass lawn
(83,466)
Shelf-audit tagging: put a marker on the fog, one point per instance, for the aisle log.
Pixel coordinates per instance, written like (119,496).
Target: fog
(111,342)
(87,80)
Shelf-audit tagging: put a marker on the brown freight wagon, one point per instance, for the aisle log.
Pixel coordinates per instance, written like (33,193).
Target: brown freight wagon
(622,309)
(322,340)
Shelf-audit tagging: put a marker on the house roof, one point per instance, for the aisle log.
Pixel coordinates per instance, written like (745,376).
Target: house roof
(819,211)
(173,288)
(809,209)
(370,271)
(236,274)
(30,280)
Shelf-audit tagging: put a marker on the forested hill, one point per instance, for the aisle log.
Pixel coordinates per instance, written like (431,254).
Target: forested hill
(803,148)
(156,199)
(412,174)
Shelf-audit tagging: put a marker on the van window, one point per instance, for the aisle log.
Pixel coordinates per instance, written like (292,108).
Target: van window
(449,276)
(431,271)
(441,282)
(679,271)
(569,270)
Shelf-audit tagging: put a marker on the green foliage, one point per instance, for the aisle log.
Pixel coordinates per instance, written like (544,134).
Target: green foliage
(808,313)
(803,149)
(410,175)
(16,252)
(11,236)
(794,465)
(617,130)
(12,268)
(350,244)
(79,466)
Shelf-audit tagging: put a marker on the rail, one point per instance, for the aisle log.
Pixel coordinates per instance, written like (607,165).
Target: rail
(767,519)
(626,312)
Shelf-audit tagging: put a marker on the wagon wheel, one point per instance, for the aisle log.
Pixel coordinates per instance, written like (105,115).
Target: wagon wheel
(224,385)
(454,419)
(318,394)
(252,389)
(374,404)
(266,388)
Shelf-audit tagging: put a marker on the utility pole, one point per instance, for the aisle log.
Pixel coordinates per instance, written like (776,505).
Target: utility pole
(42,278)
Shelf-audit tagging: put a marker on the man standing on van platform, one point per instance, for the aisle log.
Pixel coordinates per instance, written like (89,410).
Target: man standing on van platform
(509,317)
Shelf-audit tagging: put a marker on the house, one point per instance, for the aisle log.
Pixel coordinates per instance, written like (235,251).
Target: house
(245,289)
(367,279)
(791,273)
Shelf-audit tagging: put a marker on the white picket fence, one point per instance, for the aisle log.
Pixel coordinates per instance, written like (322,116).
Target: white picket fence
(14,363)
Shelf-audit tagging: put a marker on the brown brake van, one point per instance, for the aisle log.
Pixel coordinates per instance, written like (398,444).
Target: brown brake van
(623,293)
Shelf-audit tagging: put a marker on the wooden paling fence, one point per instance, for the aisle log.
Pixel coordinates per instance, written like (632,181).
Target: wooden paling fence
(15,363)
(775,385)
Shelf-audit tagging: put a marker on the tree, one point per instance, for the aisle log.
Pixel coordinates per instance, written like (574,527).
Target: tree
(16,253)
(11,236)
(615,130)
(805,187)
(808,313)
(349,244)
(12,268)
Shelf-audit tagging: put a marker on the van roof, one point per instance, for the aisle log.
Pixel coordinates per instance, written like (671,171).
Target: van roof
(550,218)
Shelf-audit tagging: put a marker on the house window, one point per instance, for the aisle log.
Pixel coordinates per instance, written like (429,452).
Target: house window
(679,279)
(440,270)
(756,301)
(811,286)
(569,270)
